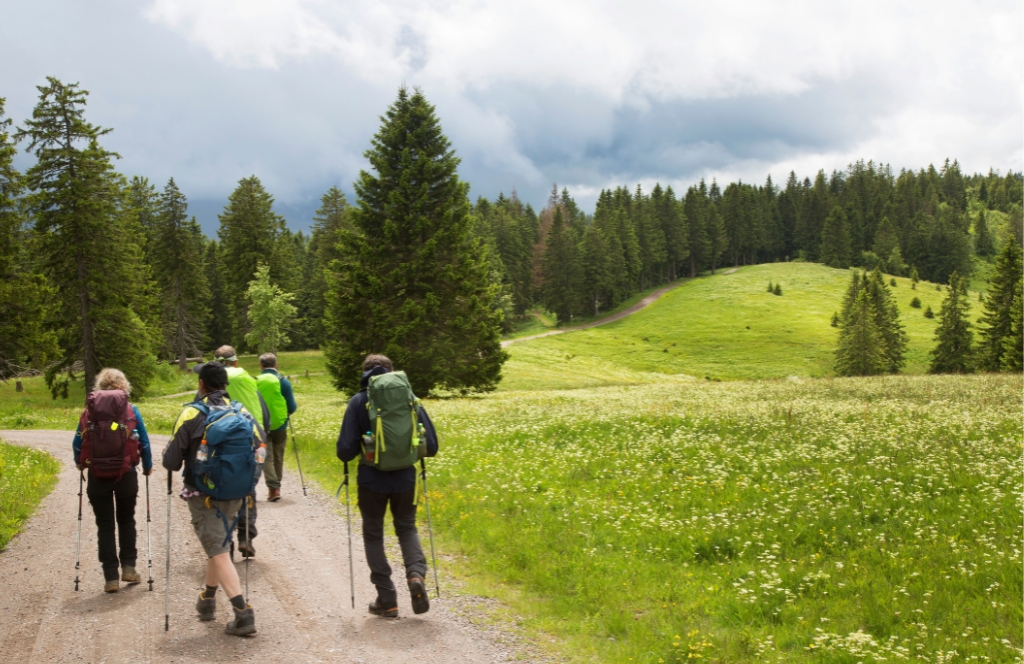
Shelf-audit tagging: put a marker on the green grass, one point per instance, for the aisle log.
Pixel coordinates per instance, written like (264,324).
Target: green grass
(26,477)
(803,520)
(725,327)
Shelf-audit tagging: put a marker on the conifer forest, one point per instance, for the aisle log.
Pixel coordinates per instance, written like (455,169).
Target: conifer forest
(97,264)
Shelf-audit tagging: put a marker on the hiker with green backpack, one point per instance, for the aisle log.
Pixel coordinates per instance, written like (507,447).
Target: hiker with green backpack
(221,446)
(390,432)
(276,391)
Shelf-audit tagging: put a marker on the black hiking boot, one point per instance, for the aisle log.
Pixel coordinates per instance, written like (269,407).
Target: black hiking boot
(206,608)
(378,609)
(246,548)
(420,601)
(244,623)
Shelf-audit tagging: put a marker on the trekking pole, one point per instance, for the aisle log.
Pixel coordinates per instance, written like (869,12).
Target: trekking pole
(430,528)
(149,537)
(298,463)
(167,583)
(78,555)
(248,543)
(348,513)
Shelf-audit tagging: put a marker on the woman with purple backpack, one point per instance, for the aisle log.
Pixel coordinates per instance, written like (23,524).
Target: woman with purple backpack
(110,441)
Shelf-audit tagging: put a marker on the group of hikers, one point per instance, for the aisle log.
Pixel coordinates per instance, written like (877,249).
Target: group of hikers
(233,432)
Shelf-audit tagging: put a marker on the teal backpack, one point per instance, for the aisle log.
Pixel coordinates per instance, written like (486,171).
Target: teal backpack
(396,438)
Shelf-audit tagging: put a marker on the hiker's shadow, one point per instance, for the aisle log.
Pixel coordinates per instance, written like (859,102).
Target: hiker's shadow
(101,602)
(396,634)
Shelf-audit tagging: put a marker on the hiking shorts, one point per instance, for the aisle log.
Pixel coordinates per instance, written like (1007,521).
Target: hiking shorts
(209,526)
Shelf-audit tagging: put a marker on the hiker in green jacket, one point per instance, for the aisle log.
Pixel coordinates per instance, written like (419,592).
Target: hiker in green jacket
(276,391)
(242,388)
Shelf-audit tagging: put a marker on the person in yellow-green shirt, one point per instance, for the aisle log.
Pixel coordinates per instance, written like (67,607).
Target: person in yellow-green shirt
(277,393)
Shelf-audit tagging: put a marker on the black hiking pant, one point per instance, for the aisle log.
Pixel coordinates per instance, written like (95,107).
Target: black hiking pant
(113,502)
(372,507)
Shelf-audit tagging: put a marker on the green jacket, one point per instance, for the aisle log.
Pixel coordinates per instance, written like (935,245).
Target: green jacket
(242,387)
(277,394)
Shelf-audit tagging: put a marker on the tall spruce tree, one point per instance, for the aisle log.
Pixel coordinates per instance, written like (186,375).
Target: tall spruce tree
(90,246)
(835,239)
(984,245)
(177,258)
(249,233)
(1013,343)
(954,348)
(26,340)
(329,219)
(887,320)
(561,270)
(413,283)
(859,352)
(595,269)
(995,322)
(218,322)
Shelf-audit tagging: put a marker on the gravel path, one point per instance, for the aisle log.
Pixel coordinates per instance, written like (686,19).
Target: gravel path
(298,584)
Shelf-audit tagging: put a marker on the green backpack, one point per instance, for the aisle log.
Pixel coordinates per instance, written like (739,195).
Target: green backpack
(395,440)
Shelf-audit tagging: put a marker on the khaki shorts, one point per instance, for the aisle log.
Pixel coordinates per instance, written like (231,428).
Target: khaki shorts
(209,526)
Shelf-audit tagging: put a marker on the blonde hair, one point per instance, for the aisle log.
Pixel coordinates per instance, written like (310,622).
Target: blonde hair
(112,379)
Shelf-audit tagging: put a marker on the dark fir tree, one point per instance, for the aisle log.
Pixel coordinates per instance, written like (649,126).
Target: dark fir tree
(218,322)
(595,272)
(328,221)
(859,352)
(1013,343)
(177,257)
(413,283)
(887,320)
(995,322)
(954,350)
(984,245)
(559,289)
(249,232)
(26,340)
(90,244)
(835,239)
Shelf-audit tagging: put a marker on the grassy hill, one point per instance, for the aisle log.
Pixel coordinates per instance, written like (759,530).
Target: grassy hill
(725,326)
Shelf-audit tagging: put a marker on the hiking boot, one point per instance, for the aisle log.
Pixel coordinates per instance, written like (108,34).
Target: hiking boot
(246,549)
(129,575)
(244,623)
(420,601)
(378,609)
(206,608)
(273,495)
(112,586)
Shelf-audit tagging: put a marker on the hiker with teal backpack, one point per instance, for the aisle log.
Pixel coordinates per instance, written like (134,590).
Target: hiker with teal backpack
(390,432)
(221,446)
(242,388)
(276,391)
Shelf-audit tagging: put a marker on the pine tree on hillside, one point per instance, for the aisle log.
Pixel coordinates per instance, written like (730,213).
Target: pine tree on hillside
(413,283)
(885,239)
(1013,343)
(249,232)
(595,272)
(717,239)
(859,352)
(954,352)
(984,245)
(850,297)
(995,320)
(90,243)
(218,323)
(328,220)
(560,289)
(696,218)
(26,341)
(887,320)
(177,256)
(835,240)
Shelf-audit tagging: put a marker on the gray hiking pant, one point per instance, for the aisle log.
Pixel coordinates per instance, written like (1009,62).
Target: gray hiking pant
(372,507)
(248,526)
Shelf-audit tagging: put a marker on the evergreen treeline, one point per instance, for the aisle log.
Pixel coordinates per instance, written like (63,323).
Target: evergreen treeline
(98,269)
(930,222)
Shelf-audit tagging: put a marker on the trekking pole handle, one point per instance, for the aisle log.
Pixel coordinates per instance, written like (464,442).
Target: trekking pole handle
(170,480)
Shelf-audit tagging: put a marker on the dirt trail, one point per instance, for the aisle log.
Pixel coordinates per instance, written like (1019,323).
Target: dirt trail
(642,304)
(298,584)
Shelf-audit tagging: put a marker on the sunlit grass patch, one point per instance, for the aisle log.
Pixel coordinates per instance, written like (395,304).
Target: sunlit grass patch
(26,477)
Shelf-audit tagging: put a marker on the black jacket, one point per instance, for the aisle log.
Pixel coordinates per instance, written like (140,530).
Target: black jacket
(356,423)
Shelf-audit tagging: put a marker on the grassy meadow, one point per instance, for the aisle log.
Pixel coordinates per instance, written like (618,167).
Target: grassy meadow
(625,509)
(26,477)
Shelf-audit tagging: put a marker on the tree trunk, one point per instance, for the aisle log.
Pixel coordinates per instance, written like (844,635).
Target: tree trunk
(180,315)
(693,267)
(595,305)
(18,387)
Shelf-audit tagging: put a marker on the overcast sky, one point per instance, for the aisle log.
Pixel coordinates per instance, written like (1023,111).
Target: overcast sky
(585,93)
